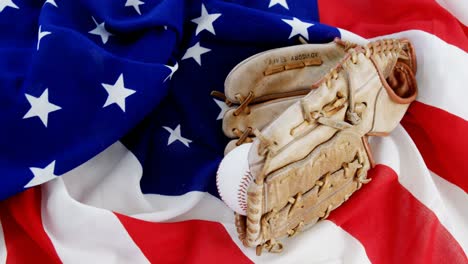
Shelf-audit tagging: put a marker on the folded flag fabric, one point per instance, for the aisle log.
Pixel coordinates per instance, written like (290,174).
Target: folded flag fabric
(110,140)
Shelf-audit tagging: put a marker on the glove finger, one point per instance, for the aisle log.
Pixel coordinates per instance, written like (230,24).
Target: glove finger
(265,84)
(281,72)
(257,116)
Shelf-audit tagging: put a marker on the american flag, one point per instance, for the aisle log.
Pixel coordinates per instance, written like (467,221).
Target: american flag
(110,140)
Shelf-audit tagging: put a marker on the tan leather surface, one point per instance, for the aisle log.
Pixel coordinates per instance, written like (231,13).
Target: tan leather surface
(314,205)
(230,146)
(249,75)
(388,113)
(320,182)
(363,78)
(309,155)
(401,85)
(254,214)
(259,115)
(289,148)
(300,176)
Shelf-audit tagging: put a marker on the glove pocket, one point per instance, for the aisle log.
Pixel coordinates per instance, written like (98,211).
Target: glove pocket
(306,191)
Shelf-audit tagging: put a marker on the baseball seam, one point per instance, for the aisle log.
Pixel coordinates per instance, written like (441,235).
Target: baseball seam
(243,189)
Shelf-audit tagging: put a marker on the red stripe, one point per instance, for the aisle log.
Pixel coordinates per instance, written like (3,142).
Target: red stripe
(195,240)
(25,238)
(394,226)
(442,141)
(371,18)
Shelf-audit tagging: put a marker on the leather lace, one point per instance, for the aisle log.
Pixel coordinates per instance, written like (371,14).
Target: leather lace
(354,110)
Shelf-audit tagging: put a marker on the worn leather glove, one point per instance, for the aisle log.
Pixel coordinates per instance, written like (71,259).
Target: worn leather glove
(308,110)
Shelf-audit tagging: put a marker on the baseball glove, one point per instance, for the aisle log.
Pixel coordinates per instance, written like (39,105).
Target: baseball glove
(308,110)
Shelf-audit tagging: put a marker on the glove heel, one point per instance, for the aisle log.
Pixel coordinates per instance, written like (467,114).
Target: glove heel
(304,192)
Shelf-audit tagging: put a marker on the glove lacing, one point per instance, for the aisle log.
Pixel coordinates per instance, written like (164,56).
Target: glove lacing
(354,111)
(353,117)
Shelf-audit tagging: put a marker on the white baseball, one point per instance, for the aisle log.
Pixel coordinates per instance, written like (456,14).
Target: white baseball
(233,178)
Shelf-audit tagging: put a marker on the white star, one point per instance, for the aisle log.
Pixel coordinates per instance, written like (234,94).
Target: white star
(165,27)
(40,35)
(173,70)
(298,27)
(40,107)
(52,2)
(205,21)
(42,175)
(136,4)
(280,2)
(224,107)
(195,53)
(117,93)
(175,135)
(5,3)
(101,31)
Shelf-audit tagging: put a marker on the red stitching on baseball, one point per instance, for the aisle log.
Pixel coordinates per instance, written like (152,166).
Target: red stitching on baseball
(242,190)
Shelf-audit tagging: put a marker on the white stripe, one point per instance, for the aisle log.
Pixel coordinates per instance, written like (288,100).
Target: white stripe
(111,180)
(84,234)
(3,250)
(323,243)
(442,70)
(399,152)
(458,8)
(192,205)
